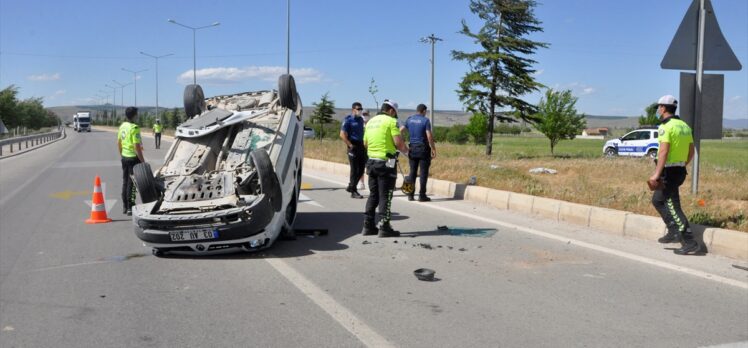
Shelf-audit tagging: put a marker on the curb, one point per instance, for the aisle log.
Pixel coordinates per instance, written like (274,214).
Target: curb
(728,243)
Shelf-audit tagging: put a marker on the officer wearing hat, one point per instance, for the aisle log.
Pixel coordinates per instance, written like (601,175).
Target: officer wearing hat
(382,140)
(130,147)
(674,154)
(157,128)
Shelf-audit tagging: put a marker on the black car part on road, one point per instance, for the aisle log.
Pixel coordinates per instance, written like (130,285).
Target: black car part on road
(269,184)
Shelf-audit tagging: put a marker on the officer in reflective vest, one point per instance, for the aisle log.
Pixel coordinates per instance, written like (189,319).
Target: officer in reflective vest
(131,151)
(157,127)
(674,154)
(382,140)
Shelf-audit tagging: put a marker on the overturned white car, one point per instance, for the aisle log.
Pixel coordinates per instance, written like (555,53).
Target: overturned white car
(231,179)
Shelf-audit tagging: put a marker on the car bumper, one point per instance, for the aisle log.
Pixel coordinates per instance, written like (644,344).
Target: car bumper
(238,228)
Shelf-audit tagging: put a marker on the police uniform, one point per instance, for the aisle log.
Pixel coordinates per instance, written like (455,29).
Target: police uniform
(129,138)
(157,134)
(420,152)
(380,147)
(353,126)
(666,199)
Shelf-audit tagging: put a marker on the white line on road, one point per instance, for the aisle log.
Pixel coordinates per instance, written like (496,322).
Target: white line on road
(342,315)
(623,254)
(305,199)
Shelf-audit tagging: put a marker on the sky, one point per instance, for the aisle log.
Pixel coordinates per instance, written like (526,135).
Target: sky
(606,52)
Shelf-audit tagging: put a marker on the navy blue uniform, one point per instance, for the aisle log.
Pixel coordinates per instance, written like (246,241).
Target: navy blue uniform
(419,156)
(353,126)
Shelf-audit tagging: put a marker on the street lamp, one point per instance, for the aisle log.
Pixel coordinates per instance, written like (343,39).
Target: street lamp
(135,81)
(156,58)
(114,100)
(122,92)
(432,40)
(194,55)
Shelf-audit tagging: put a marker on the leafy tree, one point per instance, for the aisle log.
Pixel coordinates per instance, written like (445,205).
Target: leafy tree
(651,118)
(557,117)
(323,112)
(373,90)
(500,72)
(477,128)
(8,107)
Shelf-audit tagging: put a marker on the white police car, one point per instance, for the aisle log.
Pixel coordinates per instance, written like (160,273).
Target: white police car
(638,143)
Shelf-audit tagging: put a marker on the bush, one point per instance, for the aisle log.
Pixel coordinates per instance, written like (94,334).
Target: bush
(477,128)
(458,134)
(503,128)
(440,134)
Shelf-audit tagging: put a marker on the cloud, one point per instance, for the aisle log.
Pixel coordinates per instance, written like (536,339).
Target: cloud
(58,93)
(588,90)
(736,107)
(578,88)
(538,72)
(44,77)
(232,75)
(734,99)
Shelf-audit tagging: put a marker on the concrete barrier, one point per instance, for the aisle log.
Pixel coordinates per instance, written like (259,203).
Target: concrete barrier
(521,202)
(729,243)
(574,213)
(607,220)
(546,207)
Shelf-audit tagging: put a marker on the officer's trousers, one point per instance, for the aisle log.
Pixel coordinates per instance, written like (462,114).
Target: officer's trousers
(128,187)
(357,159)
(381,185)
(667,202)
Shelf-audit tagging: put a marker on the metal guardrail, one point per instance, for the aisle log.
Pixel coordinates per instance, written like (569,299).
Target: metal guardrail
(30,140)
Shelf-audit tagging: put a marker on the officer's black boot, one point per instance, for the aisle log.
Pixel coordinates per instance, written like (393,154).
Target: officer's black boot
(410,197)
(688,244)
(370,228)
(386,230)
(670,237)
(423,198)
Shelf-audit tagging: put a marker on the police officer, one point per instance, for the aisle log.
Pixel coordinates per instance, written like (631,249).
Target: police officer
(382,140)
(352,133)
(422,149)
(131,149)
(674,154)
(157,127)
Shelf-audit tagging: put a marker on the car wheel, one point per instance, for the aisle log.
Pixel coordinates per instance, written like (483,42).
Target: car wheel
(652,153)
(194,100)
(611,152)
(287,231)
(287,91)
(145,182)
(269,184)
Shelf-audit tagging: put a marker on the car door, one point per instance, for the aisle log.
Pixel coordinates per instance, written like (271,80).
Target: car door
(640,144)
(628,144)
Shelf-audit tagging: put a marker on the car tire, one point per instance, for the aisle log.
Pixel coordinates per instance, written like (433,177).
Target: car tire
(652,153)
(287,91)
(269,184)
(611,152)
(145,182)
(194,100)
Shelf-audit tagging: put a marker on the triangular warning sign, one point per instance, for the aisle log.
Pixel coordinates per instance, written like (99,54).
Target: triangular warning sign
(681,55)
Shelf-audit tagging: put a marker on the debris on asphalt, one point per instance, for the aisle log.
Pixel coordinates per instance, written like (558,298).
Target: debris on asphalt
(442,228)
(449,247)
(424,274)
(366,242)
(462,249)
(423,245)
(472,232)
(394,241)
(740,267)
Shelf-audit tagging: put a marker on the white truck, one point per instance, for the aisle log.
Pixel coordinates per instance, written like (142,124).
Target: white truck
(82,121)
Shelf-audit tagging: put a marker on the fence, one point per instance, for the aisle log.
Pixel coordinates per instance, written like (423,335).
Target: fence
(30,140)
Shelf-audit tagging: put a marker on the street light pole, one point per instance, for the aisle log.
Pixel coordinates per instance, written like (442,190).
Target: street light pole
(122,92)
(114,100)
(156,58)
(288,37)
(194,49)
(135,81)
(431,39)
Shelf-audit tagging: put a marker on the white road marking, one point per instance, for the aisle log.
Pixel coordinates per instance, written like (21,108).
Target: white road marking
(109,203)
(305,199)
(742,344)
(623,254)
(342,315)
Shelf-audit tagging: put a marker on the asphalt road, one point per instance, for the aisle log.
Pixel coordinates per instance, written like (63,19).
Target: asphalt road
(523,282)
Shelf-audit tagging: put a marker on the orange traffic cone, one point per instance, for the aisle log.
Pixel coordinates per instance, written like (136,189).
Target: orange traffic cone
(98,207)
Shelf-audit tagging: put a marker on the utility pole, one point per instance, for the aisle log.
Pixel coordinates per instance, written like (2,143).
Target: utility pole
(157,58)
(135,81)
(114,101)
(431,39)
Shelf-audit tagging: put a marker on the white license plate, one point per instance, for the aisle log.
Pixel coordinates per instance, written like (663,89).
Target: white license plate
(184,235)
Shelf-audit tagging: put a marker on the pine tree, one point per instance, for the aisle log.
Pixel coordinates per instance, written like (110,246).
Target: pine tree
(323,112)
(500,72)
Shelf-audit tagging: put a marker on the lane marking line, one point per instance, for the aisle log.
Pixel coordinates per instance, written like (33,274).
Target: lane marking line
(342,315)
(606,250)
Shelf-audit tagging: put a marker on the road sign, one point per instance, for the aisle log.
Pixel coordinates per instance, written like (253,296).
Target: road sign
(682,53)
(712,97)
